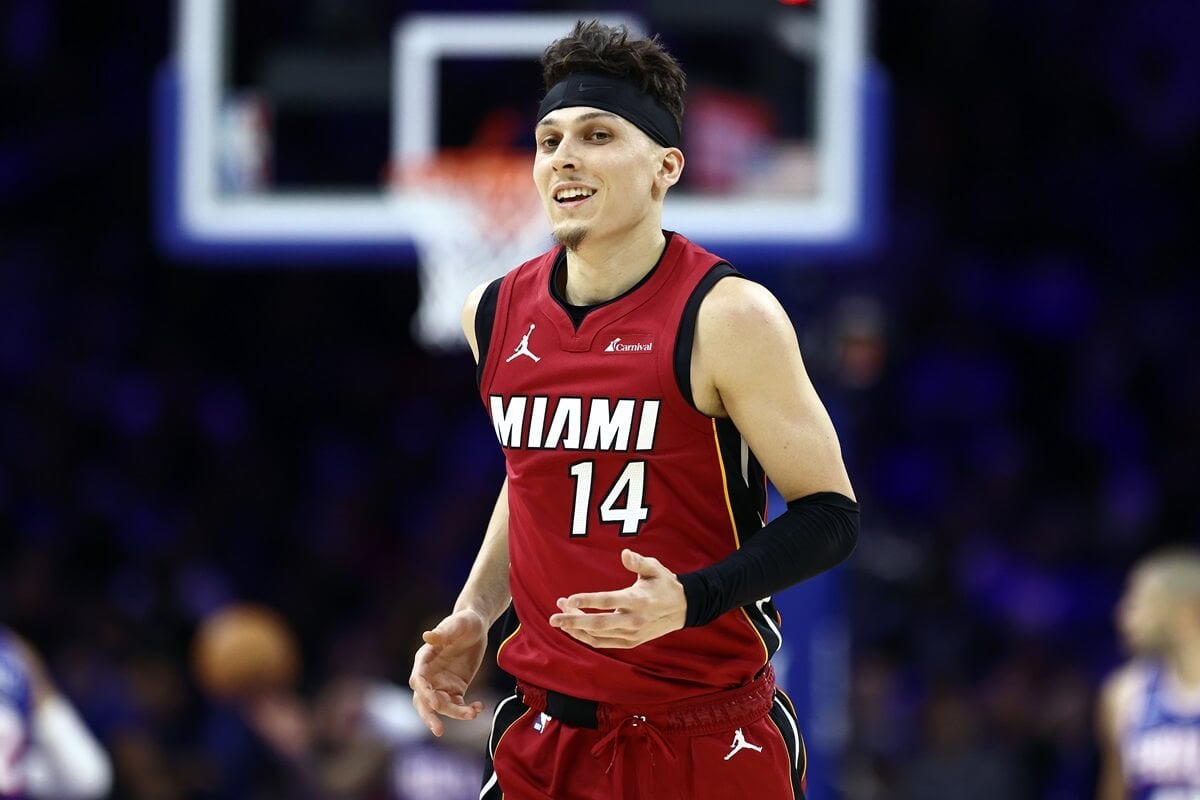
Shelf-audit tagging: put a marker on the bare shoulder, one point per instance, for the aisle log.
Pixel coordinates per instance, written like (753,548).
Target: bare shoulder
(746,365)
(471,304)
(1125,679)
(469,310)
(740,328)
(735,305)
(744,336)
(1120,692)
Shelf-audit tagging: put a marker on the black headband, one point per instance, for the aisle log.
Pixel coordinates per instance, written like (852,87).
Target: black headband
(617,95)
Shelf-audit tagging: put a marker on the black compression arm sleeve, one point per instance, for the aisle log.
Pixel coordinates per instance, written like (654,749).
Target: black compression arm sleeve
(816,533)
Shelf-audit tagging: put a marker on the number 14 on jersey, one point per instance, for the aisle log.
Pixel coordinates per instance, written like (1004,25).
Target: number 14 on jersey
(630,486)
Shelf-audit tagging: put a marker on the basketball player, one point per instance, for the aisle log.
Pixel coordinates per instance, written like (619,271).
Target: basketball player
(1149,717)
(45,749)
(639,388)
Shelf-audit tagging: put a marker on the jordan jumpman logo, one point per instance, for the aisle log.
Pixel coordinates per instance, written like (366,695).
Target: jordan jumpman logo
(740,743)
(523,347)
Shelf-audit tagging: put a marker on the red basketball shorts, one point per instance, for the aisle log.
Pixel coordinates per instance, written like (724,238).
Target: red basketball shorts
(733,745)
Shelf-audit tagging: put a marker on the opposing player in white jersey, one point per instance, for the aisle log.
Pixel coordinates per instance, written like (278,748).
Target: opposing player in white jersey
(45,749)
(1149,720)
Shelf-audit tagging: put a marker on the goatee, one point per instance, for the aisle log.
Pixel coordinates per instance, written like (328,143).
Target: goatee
(572,237)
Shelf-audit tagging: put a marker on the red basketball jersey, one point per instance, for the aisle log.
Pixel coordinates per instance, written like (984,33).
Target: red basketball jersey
(604,451)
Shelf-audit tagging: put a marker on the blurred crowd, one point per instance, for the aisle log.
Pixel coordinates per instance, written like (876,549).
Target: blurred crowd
(1036,425)
(1012,373)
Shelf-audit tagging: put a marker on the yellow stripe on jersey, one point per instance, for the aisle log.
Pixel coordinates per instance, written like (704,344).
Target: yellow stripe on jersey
(507,639)
(737,541)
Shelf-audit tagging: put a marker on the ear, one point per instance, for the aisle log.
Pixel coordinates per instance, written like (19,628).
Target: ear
(670,168)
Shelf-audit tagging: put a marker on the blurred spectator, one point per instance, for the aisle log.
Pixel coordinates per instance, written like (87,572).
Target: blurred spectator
(956,759)
(359,737)
(46,750)
(1149,720)
(363,739)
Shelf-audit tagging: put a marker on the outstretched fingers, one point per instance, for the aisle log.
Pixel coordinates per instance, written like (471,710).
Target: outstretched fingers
(433,702)
(440,677)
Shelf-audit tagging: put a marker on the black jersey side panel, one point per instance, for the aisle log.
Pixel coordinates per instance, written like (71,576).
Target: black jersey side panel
(687,327)
(485,319)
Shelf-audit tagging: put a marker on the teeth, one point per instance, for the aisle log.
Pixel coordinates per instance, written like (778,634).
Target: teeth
(570,194)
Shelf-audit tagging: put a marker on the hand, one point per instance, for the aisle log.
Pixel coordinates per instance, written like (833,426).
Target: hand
(652,607)
(445,666)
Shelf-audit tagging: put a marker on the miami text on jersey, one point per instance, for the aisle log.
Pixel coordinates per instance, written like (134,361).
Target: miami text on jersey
(573,423)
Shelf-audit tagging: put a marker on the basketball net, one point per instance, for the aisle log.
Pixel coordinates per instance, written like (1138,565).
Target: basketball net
(476,215)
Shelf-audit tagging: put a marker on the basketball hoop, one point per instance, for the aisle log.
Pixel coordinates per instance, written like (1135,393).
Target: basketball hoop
(478,215)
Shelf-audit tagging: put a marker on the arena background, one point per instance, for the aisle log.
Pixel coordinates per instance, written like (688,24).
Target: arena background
(1011,366)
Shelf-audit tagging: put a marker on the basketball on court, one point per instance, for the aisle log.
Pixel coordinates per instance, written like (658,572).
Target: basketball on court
(242,649)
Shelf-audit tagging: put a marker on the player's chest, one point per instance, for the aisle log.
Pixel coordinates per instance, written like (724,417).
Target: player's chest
(536,357)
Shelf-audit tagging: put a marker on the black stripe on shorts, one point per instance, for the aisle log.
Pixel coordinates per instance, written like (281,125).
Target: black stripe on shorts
(783,715)
(508,711)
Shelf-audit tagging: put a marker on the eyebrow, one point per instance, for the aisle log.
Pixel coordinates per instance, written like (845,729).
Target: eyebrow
(551,122)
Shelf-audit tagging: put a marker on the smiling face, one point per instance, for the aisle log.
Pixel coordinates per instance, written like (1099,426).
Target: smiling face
(600,177)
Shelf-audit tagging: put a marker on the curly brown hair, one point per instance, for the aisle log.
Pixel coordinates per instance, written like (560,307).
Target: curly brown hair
(596,47)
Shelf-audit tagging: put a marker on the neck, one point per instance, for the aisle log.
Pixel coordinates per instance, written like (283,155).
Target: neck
(601,270)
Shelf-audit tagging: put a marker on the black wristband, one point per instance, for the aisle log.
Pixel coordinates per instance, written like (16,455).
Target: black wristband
(816,533)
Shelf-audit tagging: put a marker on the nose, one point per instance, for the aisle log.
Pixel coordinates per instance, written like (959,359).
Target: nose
(566,155)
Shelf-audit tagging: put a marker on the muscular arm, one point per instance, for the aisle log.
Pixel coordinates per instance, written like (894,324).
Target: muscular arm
(746,365)
(445,665)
